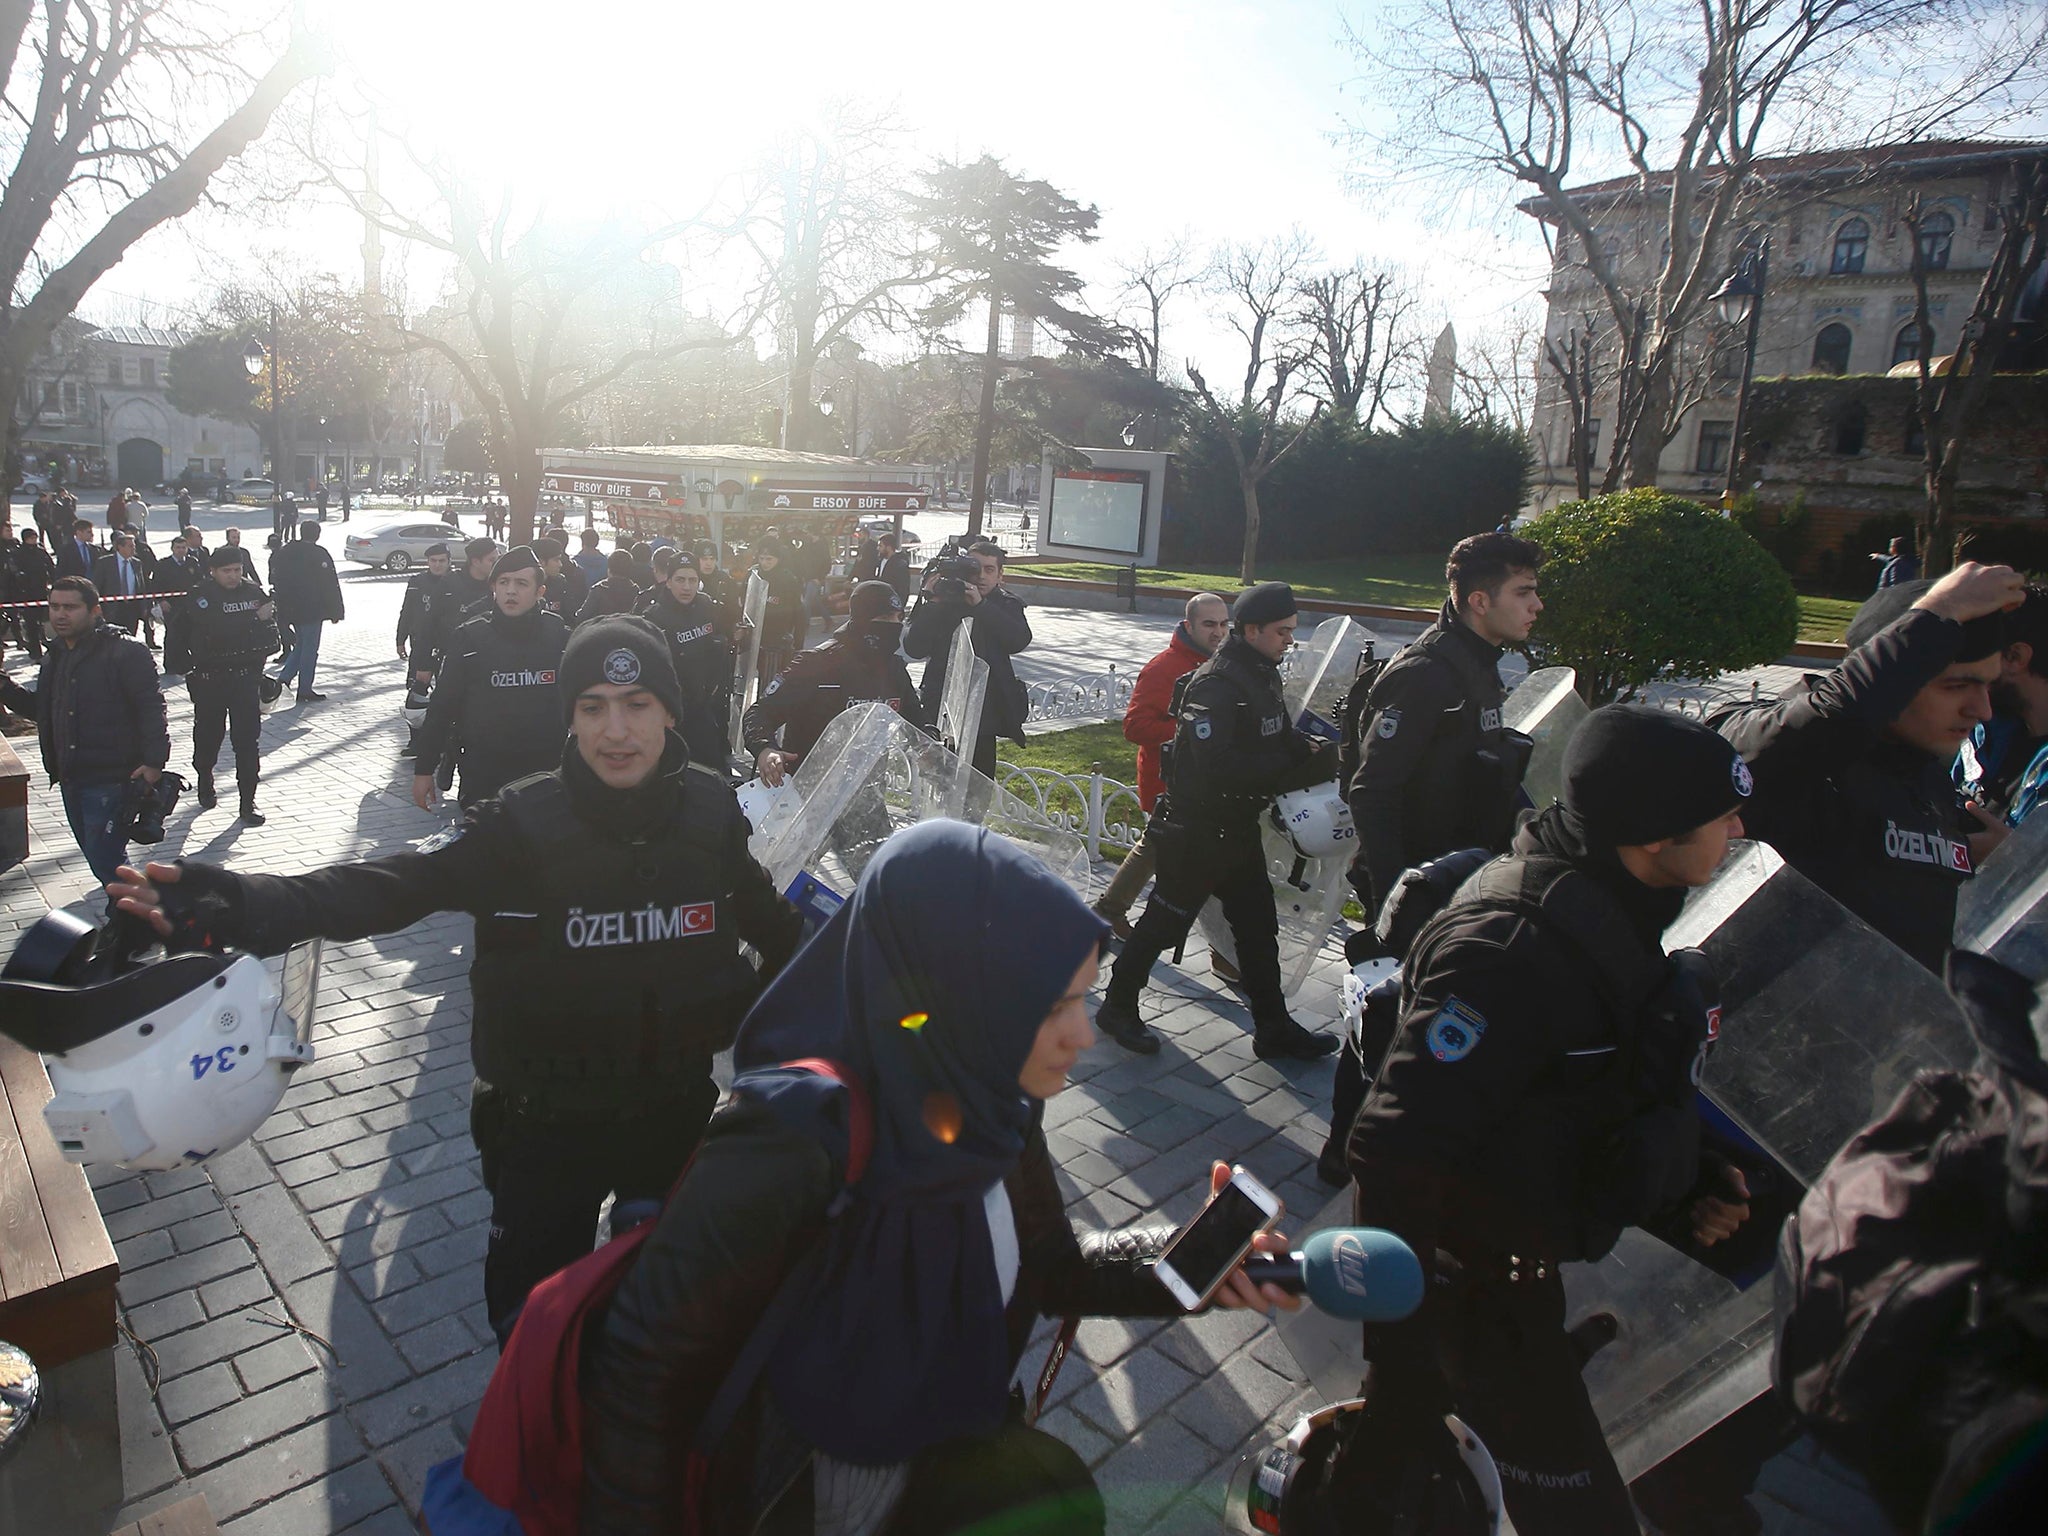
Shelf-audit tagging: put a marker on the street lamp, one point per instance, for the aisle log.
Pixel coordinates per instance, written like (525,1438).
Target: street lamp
(825,403)
(1130,433)
(255,358)
(1740,300)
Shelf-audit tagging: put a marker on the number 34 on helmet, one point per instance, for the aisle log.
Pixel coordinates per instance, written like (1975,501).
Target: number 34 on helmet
(157,1060)
(1317,821)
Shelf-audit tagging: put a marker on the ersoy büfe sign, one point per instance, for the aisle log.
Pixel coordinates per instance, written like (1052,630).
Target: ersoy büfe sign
(611,488)
(842,498)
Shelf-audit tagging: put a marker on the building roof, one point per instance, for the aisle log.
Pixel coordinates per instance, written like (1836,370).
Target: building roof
(137,335)
(1819,167)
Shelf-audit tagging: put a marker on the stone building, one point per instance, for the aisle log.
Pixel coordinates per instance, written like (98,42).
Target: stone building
(93,404)
(1839,300)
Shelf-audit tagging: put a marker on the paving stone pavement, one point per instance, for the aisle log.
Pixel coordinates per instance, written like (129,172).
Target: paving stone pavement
(306,1332)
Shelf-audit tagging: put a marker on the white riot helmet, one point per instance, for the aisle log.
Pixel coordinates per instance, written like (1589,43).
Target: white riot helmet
(414,710)
(1359,983)
(1278,1491)
(156,1063)
(1316,820)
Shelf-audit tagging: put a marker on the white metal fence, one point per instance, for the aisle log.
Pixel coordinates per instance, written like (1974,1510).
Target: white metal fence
(1103,813)
(1101,695)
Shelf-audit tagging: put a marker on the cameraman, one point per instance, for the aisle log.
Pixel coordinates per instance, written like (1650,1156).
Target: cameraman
(99,719)
(968,585)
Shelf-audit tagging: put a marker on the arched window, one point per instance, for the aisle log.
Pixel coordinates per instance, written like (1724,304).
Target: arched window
(1852,244)
(1937,234)
(1849,430)
(1906,345)
(1831,349)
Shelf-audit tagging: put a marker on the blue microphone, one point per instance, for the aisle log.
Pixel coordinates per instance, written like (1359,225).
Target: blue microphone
(1360,1274)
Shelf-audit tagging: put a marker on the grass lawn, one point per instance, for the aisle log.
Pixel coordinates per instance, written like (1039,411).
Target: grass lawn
(1394,581)
(1078,751)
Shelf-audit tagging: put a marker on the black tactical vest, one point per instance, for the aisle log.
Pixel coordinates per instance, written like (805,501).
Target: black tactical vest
(616,960)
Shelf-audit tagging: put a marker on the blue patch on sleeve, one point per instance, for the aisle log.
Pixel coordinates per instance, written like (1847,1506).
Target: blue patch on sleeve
(1455,1030)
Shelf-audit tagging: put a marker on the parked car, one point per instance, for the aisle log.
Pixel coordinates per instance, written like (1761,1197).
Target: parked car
(252,492)
(399,545)
(877,526)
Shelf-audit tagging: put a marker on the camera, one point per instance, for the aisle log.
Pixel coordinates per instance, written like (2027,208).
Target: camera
(951,573)
(144,806)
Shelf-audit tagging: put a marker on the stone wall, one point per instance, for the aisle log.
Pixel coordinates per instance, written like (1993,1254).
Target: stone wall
(1851,446)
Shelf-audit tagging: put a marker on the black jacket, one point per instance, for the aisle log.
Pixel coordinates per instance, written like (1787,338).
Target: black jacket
(495,698)
(1000,632)
(819,683)
(71,562)
(752,1203)
(98,712)
(566,590)
(703,667)
(1235,746)
(106,575)
(212,629)
(176,575)
(30,571)
(1873,822)
(308,587)
(896,571)
(419,613)
(467,598)
(607,965)
(1433,775)
(782,620)
(1504,1119)
(615,594)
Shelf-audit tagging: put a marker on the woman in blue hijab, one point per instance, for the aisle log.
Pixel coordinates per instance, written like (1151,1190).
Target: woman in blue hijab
(839,1352)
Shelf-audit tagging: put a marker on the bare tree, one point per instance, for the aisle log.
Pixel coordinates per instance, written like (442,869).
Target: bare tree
(1354,319)
(1571,359)
(1950,395)
(99,157)
(833,246)
(1497,371)
(1257,286)
(1686,97)
(543,316)
(1150,281)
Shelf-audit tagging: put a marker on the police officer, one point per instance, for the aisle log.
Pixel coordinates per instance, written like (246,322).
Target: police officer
(469,595)
(1234,750)
(1434,771)
(425,593)
(563,586)
(703,661)
(1852,768)
(858,665)
(611,897)
(219,635)
(495,695)
(1537,1099)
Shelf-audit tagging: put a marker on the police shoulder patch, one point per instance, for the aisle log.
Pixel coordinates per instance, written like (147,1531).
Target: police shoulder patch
(1455,1030)
(1389,722)
(201,601)
(1204,727)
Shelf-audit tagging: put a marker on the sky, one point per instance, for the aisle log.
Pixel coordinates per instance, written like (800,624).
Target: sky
(1216,117)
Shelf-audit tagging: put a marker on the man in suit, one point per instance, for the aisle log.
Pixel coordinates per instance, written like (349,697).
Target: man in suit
(119,576)
(77,555)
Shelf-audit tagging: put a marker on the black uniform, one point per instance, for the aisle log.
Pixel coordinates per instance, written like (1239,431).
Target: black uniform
(1537,1099)
(1000,631)
(607,971)
(1875,823)
(565,591)
(29,572)
(465,598)
(219,638)
(1435,773)
(1234,749)
(845,671)
(704,669)
(494,703)
(426,596)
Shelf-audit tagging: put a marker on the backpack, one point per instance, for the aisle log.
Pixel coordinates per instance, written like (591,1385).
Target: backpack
(522,1473)
(1912,1283)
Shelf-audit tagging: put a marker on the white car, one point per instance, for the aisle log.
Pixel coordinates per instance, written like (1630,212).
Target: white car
(401,545)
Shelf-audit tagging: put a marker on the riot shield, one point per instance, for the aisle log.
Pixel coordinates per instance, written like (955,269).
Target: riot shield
(1822,1022)
(753,610)
(2003,913)
(960,702)
(1308,895)
(1546,708)
(871,774)
(1320,669)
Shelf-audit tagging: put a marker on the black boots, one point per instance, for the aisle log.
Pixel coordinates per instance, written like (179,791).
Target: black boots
(1281,1039)
(249,813)
(1121,1023)
(207,798)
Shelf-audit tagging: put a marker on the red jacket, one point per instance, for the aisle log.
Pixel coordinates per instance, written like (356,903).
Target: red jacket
(1149,720)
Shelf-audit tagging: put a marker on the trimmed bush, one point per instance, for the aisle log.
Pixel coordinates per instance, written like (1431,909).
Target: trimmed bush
(1641,585)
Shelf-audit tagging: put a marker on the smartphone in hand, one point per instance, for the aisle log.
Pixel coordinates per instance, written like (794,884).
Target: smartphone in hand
(1202,1253)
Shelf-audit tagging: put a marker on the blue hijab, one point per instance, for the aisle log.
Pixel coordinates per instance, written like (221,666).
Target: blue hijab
(929,985)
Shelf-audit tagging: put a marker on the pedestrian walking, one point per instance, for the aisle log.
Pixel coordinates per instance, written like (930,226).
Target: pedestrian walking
(219,635)
(308,591)
(121,581)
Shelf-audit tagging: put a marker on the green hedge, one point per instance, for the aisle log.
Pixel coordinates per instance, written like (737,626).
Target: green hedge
(1640,585)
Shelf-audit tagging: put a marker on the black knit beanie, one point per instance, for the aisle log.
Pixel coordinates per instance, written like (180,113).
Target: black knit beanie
(1635,775)
(622,649)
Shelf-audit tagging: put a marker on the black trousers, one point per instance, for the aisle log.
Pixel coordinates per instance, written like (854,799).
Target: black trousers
(1514,1377)
(227,704)
(1193,865)
(548,1175)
